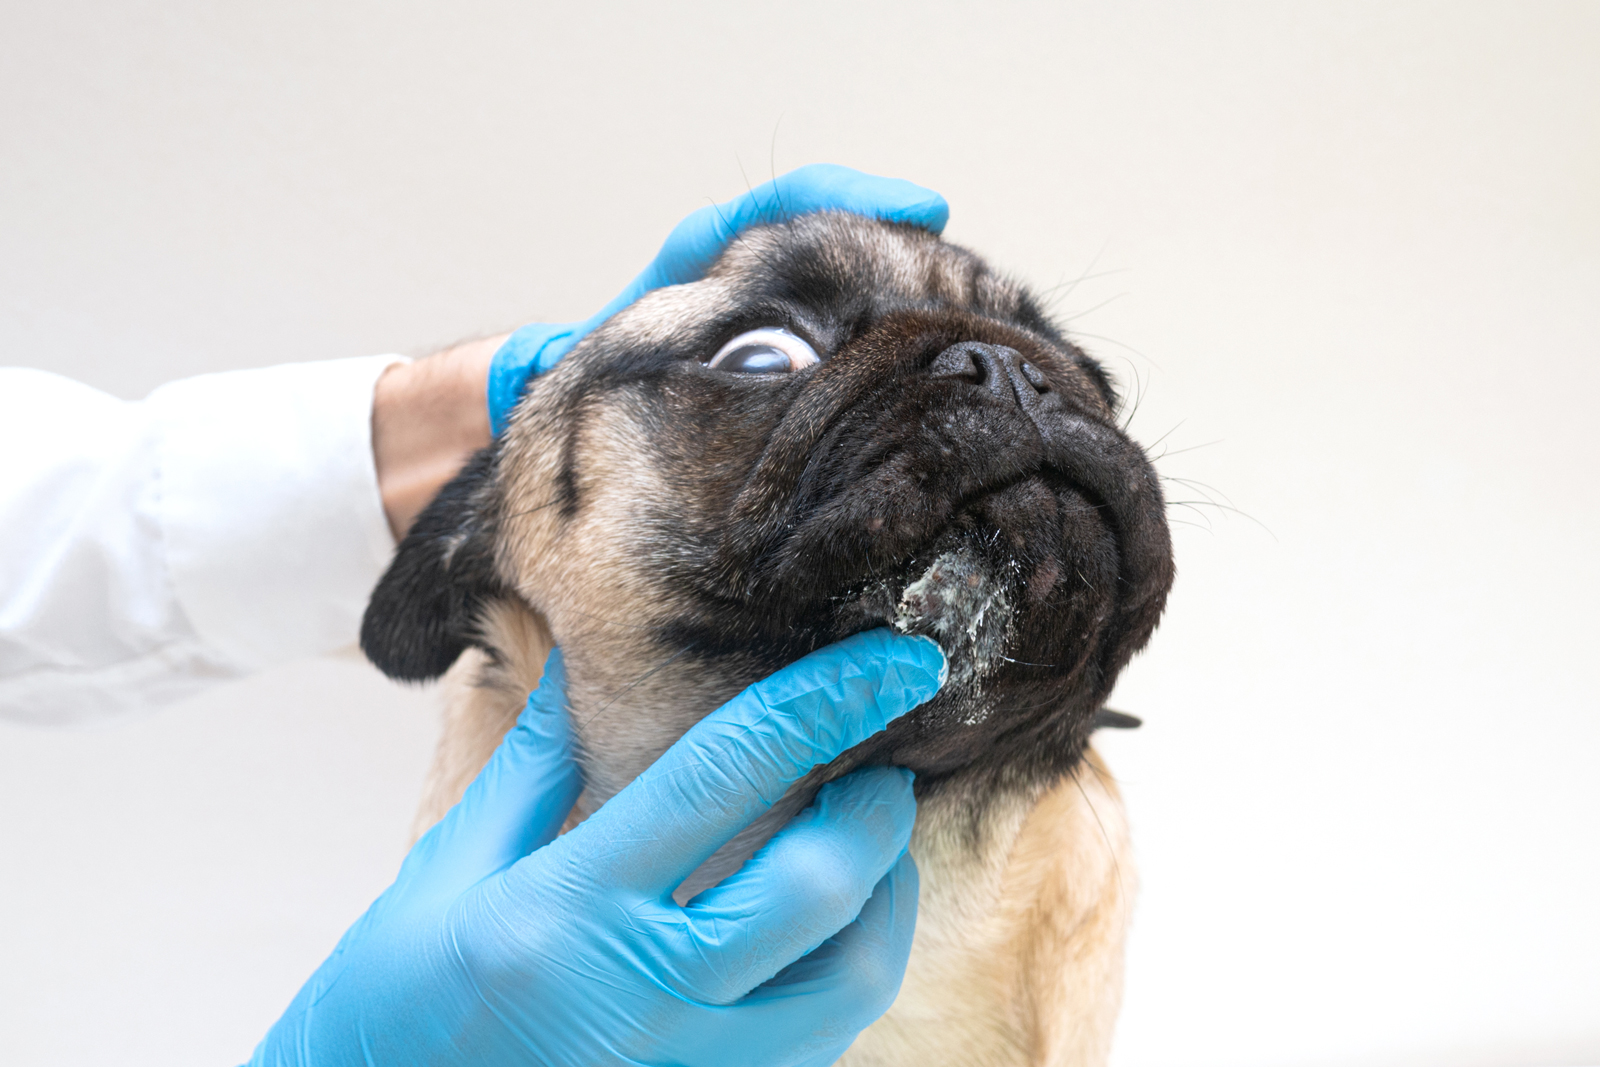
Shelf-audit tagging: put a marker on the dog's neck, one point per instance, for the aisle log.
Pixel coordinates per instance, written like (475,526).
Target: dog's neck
(629,702)
(1025,884)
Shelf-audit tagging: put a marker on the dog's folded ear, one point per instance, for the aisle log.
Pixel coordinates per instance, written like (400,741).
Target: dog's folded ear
(425,611)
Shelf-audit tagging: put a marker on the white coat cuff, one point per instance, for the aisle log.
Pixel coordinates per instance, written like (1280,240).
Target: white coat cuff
(269,505)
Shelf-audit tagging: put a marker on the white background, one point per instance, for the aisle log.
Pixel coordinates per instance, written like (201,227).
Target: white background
(1349,253)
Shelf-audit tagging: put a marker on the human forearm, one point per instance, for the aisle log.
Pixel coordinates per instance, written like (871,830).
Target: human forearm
(428,418)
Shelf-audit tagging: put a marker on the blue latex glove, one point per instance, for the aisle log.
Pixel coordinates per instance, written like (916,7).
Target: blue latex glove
(695,244)
(501,943)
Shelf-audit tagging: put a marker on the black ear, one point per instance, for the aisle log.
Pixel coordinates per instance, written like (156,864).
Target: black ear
(424,612)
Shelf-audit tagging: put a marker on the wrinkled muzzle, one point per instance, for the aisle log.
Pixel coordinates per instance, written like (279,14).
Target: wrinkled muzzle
(973,501)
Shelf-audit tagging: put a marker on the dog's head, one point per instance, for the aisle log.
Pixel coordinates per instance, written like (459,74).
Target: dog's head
(847,424)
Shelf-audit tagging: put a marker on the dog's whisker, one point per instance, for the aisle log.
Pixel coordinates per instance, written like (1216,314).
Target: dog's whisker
(1008,709)
(1116,864)
(772,162)
(1074,283)
(742,237)
(615,622)
(1193,506)
(625,690)
(772,150)
(1202,488)
(1138,395)
(1097,307)
(1086,272)
(1196,505)
(1114,341)
(1180,451)
(530,511)
(1164,436)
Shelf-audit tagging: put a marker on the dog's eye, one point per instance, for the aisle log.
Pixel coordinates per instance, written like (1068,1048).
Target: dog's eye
(770,350)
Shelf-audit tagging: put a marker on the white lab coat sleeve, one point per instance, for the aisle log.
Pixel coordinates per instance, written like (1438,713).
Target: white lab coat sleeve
(151,548)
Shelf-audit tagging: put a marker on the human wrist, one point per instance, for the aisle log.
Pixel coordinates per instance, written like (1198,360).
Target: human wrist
(428,418)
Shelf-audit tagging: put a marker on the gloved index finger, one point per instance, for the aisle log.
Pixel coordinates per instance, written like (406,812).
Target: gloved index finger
(739,760)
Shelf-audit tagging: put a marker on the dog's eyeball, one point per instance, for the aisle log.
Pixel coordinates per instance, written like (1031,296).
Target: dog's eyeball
(769,350)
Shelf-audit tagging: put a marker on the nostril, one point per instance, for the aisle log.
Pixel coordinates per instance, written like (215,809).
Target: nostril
(1036,377)
(964,361)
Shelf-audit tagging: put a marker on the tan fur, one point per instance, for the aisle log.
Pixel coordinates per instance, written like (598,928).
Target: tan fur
(1018,951)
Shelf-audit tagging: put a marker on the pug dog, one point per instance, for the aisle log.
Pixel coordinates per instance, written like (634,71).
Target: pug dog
(846,424)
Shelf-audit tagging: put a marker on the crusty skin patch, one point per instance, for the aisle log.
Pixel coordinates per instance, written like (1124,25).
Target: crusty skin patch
(683,532)
(959,603)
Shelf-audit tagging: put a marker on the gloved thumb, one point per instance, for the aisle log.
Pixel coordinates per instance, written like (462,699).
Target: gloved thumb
(516,804)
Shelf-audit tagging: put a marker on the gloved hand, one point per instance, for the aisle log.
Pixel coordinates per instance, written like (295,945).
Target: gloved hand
(696,243)
(501,943)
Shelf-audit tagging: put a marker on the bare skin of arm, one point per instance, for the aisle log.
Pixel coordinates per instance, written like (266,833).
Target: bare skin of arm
(428,418)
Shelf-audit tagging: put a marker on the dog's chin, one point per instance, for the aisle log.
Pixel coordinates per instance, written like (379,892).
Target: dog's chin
(1017,590)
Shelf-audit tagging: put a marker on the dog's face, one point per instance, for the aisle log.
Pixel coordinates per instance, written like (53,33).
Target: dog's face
(847,424)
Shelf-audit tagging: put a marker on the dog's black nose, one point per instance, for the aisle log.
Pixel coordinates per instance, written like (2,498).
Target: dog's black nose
(997,368)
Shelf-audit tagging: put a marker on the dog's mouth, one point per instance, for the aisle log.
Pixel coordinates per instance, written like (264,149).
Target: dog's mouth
(1019,590)
(1040,565)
